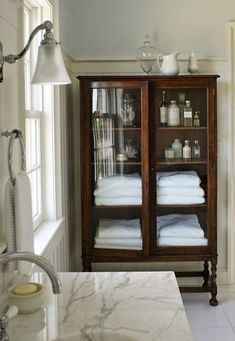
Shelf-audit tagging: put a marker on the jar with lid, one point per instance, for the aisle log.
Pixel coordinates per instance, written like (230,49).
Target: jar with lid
(188,115)
(177,147)
(186,150)
(196,154)
(173,114)
(196,119)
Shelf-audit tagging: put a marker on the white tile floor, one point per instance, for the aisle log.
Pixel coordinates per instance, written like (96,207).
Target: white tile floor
(211,323)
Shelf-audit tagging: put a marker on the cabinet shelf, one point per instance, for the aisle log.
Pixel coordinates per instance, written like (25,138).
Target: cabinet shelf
(123,128)
(116,206)
(182,206)
(180,162)
(128,163)
(181,128)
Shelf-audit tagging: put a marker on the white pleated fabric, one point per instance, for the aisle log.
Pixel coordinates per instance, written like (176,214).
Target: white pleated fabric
(18,218)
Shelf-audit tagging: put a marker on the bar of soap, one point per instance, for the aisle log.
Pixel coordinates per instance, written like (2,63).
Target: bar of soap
(25,289)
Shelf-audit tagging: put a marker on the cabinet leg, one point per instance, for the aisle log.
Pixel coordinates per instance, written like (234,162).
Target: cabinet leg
(213,301)
(86,265)
(206,275)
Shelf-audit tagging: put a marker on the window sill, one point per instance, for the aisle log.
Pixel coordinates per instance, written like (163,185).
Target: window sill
(47,236)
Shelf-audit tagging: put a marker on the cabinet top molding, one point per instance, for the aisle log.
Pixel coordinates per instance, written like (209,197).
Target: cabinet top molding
(145,77)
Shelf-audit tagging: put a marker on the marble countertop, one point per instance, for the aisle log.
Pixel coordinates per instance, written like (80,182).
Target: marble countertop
(107,306)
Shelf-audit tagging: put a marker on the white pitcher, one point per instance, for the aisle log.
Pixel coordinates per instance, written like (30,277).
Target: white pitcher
(169,65)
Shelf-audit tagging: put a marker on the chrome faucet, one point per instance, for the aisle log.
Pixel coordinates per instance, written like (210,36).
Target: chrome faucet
(40,261)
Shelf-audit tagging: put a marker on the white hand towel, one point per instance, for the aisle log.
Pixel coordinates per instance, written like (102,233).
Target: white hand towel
(120,181)
(179,225)
(116,228)
(118,192)
(178,179)
(132,242)
(18,217)
(118,201)
(179,200)
(173,218)
(164,241)
(183,191)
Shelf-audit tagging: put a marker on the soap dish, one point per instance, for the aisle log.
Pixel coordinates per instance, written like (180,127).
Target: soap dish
(28,297)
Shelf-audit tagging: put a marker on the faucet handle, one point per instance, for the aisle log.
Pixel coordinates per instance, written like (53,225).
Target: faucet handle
(11,312)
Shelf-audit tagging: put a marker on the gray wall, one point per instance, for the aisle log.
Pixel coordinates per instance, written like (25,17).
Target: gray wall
(114,29)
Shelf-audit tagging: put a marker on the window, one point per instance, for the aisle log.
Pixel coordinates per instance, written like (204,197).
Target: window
(38,105)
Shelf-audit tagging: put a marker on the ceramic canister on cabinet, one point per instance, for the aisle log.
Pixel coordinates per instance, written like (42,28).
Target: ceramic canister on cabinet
(173,114)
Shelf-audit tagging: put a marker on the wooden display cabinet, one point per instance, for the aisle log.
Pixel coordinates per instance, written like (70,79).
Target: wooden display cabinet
(117,110)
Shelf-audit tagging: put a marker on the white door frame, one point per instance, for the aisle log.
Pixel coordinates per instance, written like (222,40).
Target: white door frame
(230,34)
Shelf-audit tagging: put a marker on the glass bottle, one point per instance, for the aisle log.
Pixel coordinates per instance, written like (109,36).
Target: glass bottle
(173,114)
(177,147)
(188,115)
(163,110)
(196,153)
(186,150)
(181,106)
(196,119)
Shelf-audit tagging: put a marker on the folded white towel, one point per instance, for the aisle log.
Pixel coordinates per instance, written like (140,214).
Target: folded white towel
(183,191)
(118,192)
(178,179)
(18,217)
(120,181)
(118,201)
(116,228)
(180,226)
(166,241)
(167,219)
(179,200)
(119,242)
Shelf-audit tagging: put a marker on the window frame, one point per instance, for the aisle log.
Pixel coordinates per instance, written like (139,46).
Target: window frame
(43,110)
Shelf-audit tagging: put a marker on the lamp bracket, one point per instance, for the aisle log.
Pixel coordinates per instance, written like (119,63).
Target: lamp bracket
(11,58)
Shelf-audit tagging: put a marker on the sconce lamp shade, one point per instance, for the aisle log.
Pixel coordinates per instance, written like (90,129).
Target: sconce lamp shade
(50,68)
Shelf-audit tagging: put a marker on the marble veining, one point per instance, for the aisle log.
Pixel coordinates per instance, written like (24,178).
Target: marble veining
(108,306)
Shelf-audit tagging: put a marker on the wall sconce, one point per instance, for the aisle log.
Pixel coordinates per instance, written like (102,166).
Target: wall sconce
(50,68)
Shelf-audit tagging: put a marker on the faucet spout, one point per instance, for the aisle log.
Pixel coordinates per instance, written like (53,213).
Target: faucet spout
(38,260)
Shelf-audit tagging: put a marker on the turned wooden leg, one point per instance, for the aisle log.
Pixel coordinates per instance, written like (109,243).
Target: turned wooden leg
(86,265)
(213,301)
(206,275)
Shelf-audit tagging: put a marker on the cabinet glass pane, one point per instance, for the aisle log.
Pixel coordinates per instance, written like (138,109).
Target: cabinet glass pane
(181,167)
(116,168)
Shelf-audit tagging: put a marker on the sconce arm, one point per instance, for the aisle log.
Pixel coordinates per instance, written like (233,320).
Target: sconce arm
(11,58)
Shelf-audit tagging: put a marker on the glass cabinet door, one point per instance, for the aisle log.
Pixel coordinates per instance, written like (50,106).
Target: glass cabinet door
(181,167)
(116,166)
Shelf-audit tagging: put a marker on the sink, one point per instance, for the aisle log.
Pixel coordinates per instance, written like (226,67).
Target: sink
(104,335)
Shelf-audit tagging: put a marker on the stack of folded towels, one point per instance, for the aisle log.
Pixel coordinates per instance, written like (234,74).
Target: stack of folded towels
(179,187)
(119,190)
(119,234)
(180,230)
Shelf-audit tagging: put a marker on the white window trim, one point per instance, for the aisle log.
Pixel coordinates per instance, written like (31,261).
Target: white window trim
(51,151)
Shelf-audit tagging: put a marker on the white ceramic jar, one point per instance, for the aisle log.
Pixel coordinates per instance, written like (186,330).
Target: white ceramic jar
(173,114)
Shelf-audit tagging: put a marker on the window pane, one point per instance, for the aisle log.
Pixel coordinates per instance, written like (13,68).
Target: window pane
(34,190)
(32,143)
